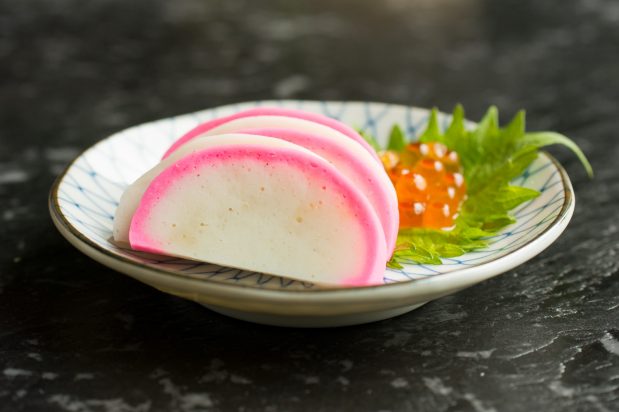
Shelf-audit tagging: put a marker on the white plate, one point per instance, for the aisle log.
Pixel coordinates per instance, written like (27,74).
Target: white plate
(84,198)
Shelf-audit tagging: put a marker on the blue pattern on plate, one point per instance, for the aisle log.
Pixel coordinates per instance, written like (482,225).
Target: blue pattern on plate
(90,190)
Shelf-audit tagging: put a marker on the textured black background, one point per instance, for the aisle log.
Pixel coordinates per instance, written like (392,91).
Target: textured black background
(76,336)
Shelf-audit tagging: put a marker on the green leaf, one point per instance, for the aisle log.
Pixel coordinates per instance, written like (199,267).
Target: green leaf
(494,223)
(495,173)
(456,129)
(514,131)
(433,131)
(393,264)
(499,199)
(450,250)
(397,140)
(488,126)
(423,255)
(485,136)
(511,196)
(472,232)
(542,139)
(492,157)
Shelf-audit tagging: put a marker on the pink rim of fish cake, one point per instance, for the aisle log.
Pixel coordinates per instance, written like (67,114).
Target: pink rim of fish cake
(275,111)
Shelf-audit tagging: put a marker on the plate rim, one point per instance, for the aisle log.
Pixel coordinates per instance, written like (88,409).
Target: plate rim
(100,254)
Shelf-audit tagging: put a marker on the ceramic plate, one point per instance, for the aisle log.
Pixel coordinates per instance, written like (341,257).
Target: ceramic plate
(84,198)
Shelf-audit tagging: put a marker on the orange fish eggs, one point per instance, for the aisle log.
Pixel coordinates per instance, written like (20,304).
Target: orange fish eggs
(429,183)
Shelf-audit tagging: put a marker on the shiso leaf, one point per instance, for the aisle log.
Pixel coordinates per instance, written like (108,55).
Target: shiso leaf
(542,139)
(456,129)
(397,140)
(433,131)
(491,157)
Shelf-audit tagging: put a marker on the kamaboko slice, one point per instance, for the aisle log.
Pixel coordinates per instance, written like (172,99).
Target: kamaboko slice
(132,195)
(263,117)
(348,157)
(357,165)
(278,210)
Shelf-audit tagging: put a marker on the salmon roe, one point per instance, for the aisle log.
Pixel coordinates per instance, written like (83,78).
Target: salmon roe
(429,182)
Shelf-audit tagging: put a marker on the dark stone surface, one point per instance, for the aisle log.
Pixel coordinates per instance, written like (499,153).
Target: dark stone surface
(76,336)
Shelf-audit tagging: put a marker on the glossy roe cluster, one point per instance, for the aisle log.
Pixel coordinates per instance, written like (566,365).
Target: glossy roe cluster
(429,182)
